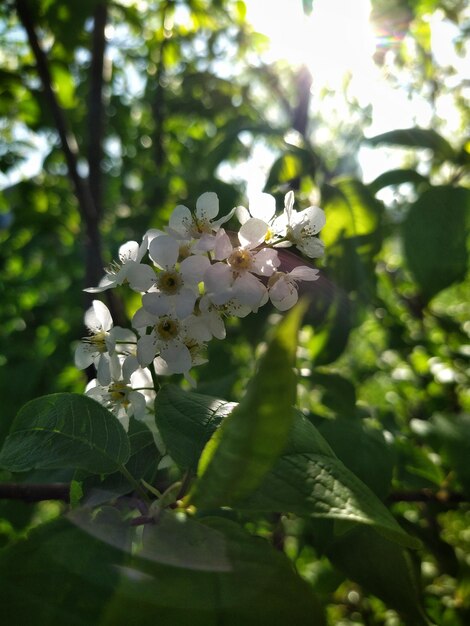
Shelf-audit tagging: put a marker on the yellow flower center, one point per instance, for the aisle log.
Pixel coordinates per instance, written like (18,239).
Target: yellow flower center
(169,282)
(240,260)
(167,328)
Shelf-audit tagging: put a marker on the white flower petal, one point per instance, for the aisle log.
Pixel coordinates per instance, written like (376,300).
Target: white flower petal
(83,356)
(289,205)
(156,303)
(164,251)
(184,303)
(103,373)
(252,232)
(193,269)
(223,247)
(263,206)
(312,247)
(248,290)
(142,319)
(265,262)
(174,359)
(129,251)
(102,315)
(313,219)
(302,272)
(181,220)
(207,206)
(140,277)
(146,350)
(283,294)
(243,215)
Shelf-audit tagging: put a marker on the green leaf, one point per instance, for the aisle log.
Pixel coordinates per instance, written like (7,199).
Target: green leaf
(186,421)
(397,177)
(251,438)
(382,568)
(58,575)
(260,586)
(435,236)
(351,210)
(65,430)
(450,435)
(416,138)
(362,450)
(308,479)
(352,234)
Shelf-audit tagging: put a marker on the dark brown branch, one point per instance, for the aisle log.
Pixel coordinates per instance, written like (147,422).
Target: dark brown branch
(94,263)
(427,495)
(35,492)
(96,113)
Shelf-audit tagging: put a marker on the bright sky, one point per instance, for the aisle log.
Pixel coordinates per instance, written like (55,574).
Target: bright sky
(337,39)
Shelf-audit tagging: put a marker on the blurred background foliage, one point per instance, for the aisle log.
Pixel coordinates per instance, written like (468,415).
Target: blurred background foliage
(111,113)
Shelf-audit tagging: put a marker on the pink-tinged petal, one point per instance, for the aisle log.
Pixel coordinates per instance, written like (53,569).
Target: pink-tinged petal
(265,262)
(181,220)
(206,243)
(252,232)
(223,247)
(140,277)
(248,290)
(164,251)
(103,373)
(83,356)
(146,350)
(243,215)
(129,251)
(184,303)
(156,303)
(216,224)
(193,268)
(218,282)
(207,206)
(263,206)
(302,272)
(283,294)
(142,319)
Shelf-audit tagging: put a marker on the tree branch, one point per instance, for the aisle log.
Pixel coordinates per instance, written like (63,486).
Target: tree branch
(96,113)
(35,492)
(94,263)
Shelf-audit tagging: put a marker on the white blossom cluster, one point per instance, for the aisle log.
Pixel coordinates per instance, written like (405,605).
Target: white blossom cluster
(191,276)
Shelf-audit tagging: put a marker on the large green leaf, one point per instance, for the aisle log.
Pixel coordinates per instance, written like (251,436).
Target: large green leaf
(58,575)
(65,430)
(308,479)
(382,568)
(256,585)
(186,421)
(416,138)
(363,450)
(435,235)
(251,438)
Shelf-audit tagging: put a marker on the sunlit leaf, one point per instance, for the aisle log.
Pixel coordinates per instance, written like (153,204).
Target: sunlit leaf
(416,138)
(251,438)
